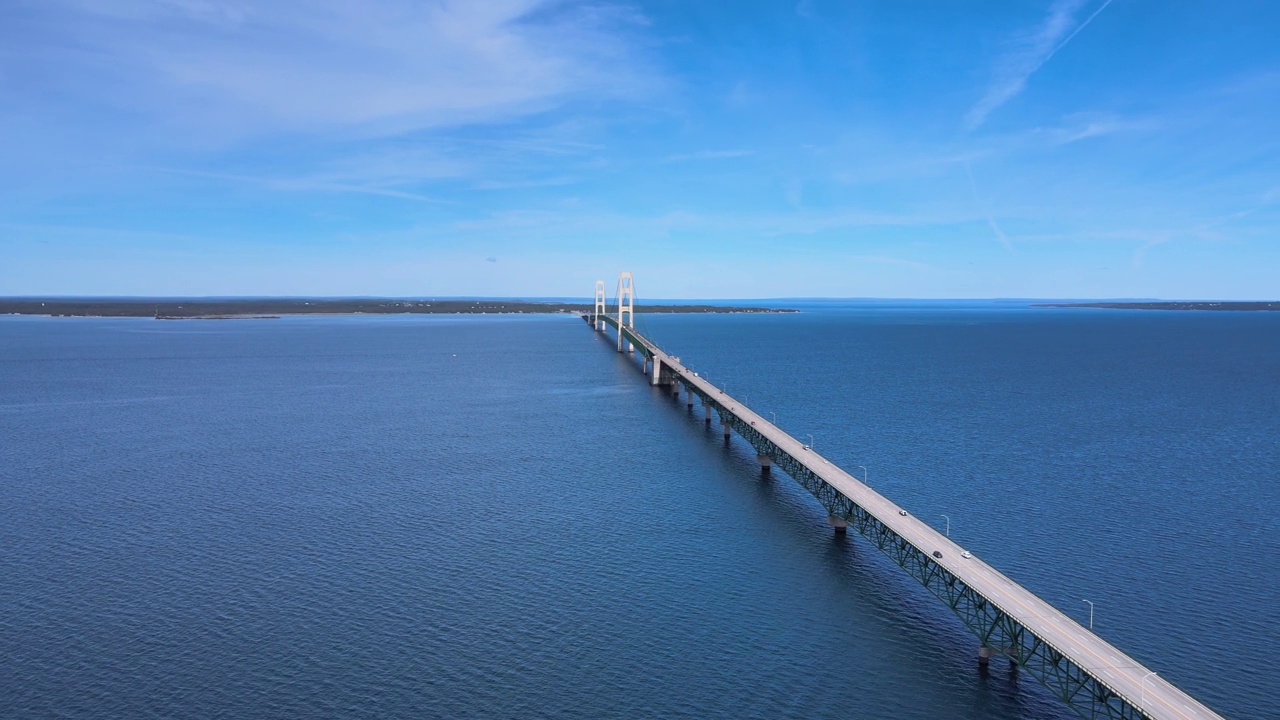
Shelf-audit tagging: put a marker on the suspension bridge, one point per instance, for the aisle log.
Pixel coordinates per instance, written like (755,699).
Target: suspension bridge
(1092,676)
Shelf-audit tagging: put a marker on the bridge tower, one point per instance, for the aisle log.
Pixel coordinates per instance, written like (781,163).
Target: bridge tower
(596,322)
(626,306)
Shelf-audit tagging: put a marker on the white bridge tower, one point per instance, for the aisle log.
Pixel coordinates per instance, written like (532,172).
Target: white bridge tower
(600,310)
(626,306)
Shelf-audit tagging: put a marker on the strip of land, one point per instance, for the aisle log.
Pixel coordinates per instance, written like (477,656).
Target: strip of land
(1172,305)
(233,308)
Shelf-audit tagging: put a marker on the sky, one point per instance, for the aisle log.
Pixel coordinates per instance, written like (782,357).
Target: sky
(819,148)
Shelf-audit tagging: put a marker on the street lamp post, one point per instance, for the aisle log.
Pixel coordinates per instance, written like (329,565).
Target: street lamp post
(1090,613)
(810,440)
(775,417)
(948,525)
(1143,701)
(865,476)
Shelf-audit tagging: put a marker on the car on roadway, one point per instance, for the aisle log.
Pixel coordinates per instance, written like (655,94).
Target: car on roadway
(937,553)
(903,513)
(966,554)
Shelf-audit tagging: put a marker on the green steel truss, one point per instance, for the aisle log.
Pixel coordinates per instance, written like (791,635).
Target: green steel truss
(995,629)
(1079,688)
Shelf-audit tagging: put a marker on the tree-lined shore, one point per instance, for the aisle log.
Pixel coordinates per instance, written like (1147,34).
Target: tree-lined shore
(193,308)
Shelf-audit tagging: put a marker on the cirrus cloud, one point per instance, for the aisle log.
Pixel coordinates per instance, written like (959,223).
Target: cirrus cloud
(375,67)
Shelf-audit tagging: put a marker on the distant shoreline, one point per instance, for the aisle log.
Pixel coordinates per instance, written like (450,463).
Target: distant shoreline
(258,308)
(1233,306)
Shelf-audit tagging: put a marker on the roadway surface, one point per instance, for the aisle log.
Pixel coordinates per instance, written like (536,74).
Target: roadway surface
(1138,685)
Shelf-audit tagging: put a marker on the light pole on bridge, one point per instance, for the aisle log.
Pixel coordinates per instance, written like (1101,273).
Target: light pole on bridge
(948,525)
(1143,701)
(810,442)
(866,477)
(775,417)
(1090,613)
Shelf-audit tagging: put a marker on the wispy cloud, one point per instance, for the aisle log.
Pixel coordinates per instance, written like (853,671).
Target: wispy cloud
(1084,126)
(519,184)
(309,184)
(397,163)
(1223,227)
(1033,50)
(412,168)
(372,67)
(1140,255)
(889,260)
(708,155)
(764,225)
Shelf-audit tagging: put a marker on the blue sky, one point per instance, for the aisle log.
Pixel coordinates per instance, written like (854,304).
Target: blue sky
(839,148)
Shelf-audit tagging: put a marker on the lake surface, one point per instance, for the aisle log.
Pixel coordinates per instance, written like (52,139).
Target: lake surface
(447,517)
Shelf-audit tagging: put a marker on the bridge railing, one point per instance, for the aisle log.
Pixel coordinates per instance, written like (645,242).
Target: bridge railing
(997,629)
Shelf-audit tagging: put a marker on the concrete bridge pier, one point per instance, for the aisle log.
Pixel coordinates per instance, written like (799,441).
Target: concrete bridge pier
(688,395)
(766,464)
(675,389)
(1064,657)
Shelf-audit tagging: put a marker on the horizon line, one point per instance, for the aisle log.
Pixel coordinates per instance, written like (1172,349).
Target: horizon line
(640,301)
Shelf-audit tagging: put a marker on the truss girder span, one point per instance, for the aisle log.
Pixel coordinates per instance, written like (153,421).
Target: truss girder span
(996,629)
(1028,642)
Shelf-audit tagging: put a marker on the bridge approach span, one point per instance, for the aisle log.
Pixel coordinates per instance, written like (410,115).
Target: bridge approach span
(1092,676)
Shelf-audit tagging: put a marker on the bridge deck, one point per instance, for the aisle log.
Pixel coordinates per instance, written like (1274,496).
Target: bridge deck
(1145,694)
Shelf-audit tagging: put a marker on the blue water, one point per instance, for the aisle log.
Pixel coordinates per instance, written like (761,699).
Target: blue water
(421,517)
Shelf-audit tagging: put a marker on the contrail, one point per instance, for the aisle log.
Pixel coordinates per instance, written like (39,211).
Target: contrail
(1018,68)
(1075,32)
(990,220)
